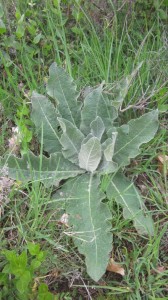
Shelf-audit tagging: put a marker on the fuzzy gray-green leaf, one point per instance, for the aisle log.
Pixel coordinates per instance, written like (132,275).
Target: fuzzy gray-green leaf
(123,87)
(107,164)
(61,88)
(88,217)
(126,194)
(71,140)
(97,127)
(96,104)
(107,167)
(44,116)
(50,170)
(132,135)
(108,147)
(90,154)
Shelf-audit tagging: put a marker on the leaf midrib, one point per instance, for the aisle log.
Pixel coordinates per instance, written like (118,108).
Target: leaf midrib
(48,120)
(87,162)
(65,100)
(126,205)
(41,171)
(90,212)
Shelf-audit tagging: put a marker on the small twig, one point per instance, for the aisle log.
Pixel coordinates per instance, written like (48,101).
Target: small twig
(142,102)
(98,7)
(121,6)
(90,298)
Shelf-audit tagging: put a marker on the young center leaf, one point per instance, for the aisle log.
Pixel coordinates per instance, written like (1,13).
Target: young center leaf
(90,154)
(108,147)
(50,170)
(97,128)
(88,217)
(61,88)
(126,194)
(132,135)
(71,140)
(44,116)
(107,164)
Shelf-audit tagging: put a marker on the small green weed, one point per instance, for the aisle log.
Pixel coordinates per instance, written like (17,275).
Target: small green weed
(23,122)
(2,25)
(18,274)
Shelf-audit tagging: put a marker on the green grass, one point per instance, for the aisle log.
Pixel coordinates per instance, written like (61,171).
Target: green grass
(91,54)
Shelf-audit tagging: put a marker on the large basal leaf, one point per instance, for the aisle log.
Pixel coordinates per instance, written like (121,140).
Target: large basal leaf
(71,140)
(132,135)
(90,154)
(50,170)
(122,88)
(119,93)
(96,104)
(88,217)
(44,116)
(126,194)
(60,87)
(107,167)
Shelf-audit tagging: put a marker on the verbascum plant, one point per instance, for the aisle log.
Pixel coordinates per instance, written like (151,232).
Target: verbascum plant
(84,143)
